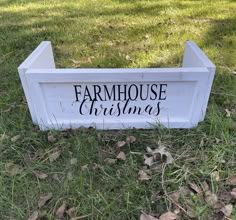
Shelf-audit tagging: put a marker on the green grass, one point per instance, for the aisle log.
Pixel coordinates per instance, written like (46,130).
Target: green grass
(115,33)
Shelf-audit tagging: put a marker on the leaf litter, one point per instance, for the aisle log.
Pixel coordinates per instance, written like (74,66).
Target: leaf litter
(44,199)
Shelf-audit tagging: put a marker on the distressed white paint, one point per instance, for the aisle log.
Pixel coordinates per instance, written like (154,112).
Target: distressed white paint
(53,103)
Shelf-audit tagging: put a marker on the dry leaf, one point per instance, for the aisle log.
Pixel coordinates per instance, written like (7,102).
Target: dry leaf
(227,210)
(69,176)
(75,61)
(195,187)
(161,150)
(232,180)
(96,166)
(51,138)
(215,175)
(55,154)
(149,160)
(71,212)
(130,139)
(143,176)
(73,161)
(84,167)
(40,174)
(120,143)
(15,138)
(211,198)
(226,197)
(145,216)
(121,156)
(205,186)
(233,193)
(110,160)
(61,210)
(228,113)
(168,216)
(13,169)
(89,60)
(218,205)
(43,199)
(34,216)
(175,196)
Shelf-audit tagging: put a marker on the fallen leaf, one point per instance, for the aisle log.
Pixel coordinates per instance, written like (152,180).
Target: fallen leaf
(73,161)
(89,60)
(205,186)
(143,176)
(228,113)
(145,216)
(121,156)
(218,205)
(96,166)
(211,198)
(149,161)
(51,138)
(232,180)
(226,197)
(175,196)
(227,210)
(13,169)
(84,167)
(164,153)
(43,199)
(120,143)
(40,174)
(15,138)
(215,175)
(71,212)
(110,160)
(61,210)
(195,187)
(184,191)
(168,216)
(75,61)
(55,154)
(69,176)
(233,193)
(130,139)
(34,216)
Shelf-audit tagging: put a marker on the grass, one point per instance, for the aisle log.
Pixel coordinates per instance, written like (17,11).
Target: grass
(114,33)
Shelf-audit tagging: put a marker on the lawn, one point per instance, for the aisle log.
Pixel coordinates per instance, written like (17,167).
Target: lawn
(79,168)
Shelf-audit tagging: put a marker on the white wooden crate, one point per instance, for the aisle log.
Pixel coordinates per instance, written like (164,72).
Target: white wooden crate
(116,98)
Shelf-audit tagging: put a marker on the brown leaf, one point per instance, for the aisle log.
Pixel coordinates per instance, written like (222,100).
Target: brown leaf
(175,196)
(51,138)
(69,176)
(43,199)
(61,210)
(40,174)
(233,193)
(55,154)
(149,161)
(205,186)
(71,212)
(168,216)
(195,187)
(121,156)
(73,161)
(164,153)
(13,169)
(228,113)
(143,176)
(34,216)
(75,61)
(84,167)
(130,139)
(215,175)
(227,210)
(226,197)
(110,160)
(15,138)
(120,143)
(218,205)
(145,216)
(232,180)
(211,198)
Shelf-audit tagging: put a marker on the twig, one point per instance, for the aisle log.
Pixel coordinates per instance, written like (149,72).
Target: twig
(166,194)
